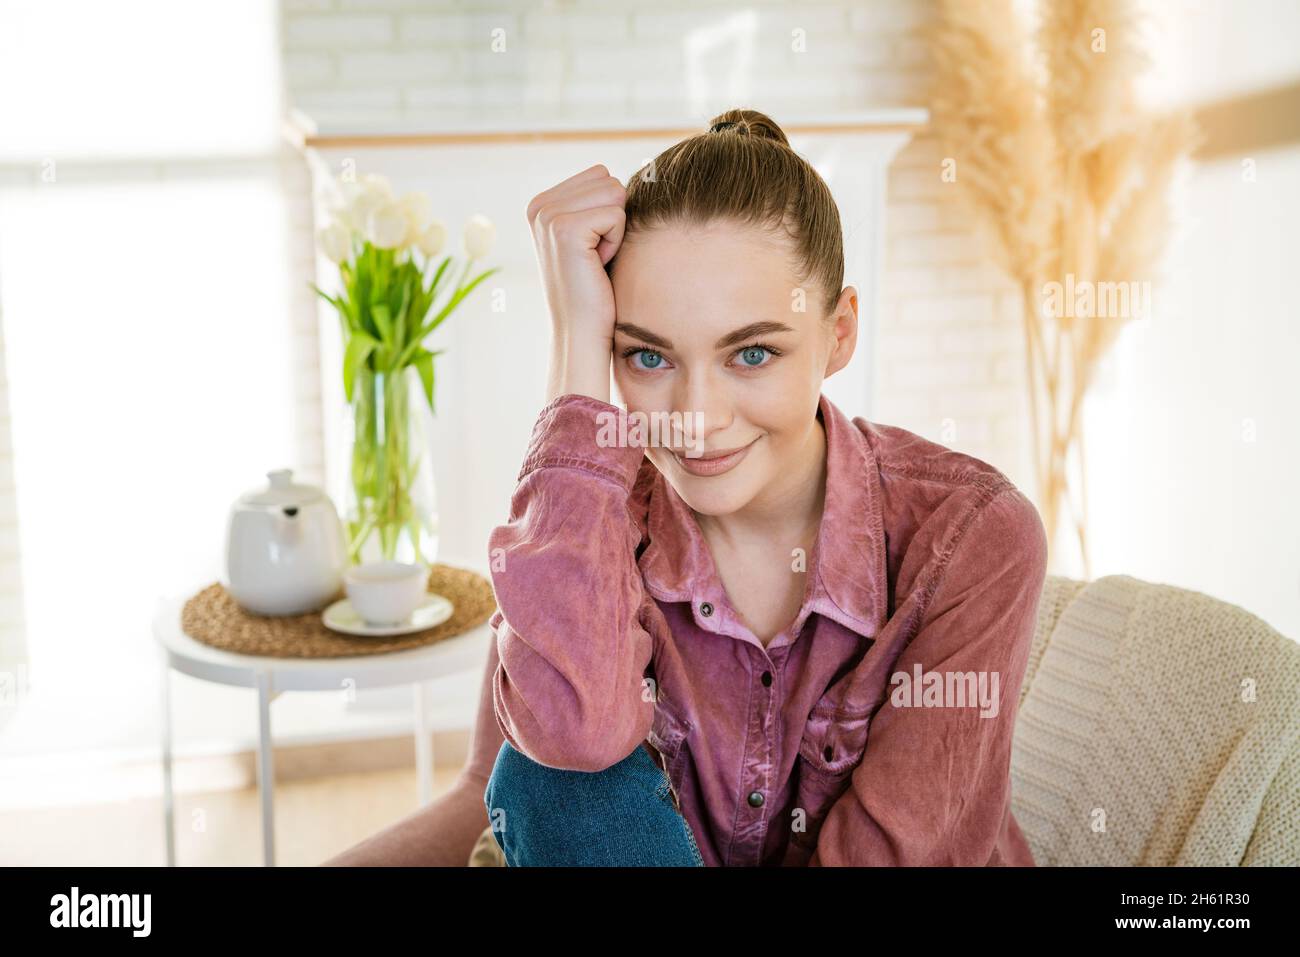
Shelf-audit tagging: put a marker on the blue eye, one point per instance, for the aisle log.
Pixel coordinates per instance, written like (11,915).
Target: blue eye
(755,356)
(653,358)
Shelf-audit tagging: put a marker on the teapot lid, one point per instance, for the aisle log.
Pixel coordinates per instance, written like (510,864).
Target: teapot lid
(282,491)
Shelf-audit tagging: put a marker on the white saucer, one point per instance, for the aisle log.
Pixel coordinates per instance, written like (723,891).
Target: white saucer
(341,616)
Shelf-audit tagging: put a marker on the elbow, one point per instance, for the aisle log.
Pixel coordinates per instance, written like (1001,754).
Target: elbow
(558,747)
(570,740)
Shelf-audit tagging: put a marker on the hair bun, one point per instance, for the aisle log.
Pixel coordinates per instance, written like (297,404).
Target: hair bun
(748,123)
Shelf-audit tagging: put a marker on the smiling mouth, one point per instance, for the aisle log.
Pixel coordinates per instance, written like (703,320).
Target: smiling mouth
(712,463)
(710,456)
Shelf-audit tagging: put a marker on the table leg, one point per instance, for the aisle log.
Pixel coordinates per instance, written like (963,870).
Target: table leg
(423,744)
(265,766)
(169,814)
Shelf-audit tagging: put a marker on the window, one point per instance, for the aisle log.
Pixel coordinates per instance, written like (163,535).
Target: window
(153,372)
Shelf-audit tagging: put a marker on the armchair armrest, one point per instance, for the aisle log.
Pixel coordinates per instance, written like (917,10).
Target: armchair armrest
(441,834)
(444,833)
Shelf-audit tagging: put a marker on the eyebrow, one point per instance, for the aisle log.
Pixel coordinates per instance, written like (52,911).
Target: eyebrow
(764,327)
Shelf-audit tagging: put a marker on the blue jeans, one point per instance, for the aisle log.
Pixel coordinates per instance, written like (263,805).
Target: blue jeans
(623,816)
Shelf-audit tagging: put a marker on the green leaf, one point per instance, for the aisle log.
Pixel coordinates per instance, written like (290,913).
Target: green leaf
(424,365)
(437,277)
(383,322)
(399,337)
(456,299)
(445,311)
(359,348)
(332,300)
(343,309)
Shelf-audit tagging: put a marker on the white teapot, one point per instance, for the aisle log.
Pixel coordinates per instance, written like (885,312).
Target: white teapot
(285,552)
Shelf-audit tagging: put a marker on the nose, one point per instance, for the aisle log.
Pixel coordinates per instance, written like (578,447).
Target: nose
(706,408)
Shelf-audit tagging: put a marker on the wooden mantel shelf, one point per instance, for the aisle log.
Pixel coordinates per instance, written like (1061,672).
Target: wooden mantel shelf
(305,132)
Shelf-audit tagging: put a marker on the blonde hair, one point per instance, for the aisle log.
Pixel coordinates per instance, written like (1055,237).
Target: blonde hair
(743,169)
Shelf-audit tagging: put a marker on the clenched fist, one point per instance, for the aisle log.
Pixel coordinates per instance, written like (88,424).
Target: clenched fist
(577,228)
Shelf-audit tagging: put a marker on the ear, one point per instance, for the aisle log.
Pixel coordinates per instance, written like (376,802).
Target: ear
(844,331)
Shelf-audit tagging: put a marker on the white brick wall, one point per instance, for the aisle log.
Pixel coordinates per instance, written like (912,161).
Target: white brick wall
(563,57)
(950,355)
(950,344)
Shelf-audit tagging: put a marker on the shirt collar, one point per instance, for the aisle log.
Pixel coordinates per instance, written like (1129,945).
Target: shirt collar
(848,561)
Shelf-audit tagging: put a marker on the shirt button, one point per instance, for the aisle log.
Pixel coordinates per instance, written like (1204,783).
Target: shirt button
(755,799)
(706,609)
(767,679)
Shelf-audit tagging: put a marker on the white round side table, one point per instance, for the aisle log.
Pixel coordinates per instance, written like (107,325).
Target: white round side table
(271,676)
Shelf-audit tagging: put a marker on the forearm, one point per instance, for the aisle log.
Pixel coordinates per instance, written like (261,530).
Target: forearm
(572,644)
(579,366)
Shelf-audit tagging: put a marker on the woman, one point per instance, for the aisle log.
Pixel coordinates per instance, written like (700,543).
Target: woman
(781,638)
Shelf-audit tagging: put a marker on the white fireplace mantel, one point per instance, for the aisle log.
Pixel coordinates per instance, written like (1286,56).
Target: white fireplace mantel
(491,379)
(331,131)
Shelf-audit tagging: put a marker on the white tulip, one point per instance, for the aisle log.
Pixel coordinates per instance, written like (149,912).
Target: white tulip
(334,200)
(363,204)
(364,197)
(432,239)
(386,226)
(335,241)
(418,209)
(480,232)
(341,216)
(379,183)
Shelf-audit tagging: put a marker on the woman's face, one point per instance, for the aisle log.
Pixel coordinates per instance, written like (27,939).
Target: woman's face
(712,320)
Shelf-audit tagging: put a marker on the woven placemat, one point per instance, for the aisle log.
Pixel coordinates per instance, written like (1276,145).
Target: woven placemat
(213,617)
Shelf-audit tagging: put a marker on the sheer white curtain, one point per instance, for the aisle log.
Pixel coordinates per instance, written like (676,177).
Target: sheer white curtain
(153,368)
(13,643)
(1192,447)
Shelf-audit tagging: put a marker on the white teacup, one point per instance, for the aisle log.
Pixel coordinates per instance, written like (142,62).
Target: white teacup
(386,593)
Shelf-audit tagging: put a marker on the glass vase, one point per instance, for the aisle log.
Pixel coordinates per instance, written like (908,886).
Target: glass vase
(391,511)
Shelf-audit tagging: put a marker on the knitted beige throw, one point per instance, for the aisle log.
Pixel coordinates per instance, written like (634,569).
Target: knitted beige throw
(1158,726)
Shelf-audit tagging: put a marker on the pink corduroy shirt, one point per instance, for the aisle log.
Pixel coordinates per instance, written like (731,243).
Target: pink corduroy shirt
(875,729)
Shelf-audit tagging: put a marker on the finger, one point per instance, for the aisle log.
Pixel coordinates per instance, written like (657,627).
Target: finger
(563,189)
(613,239)
(590,195)
(592,226)
(604,195)
(602,192)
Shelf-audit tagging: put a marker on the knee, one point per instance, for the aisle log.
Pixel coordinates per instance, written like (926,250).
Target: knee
(520,789)
(510,771)
(514,776)
(519,786)
(553,816)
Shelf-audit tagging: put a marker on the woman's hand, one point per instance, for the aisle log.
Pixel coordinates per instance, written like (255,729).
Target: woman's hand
(577,228)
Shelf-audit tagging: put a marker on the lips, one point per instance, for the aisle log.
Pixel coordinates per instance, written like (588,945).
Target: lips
(712,463)
(710,456)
